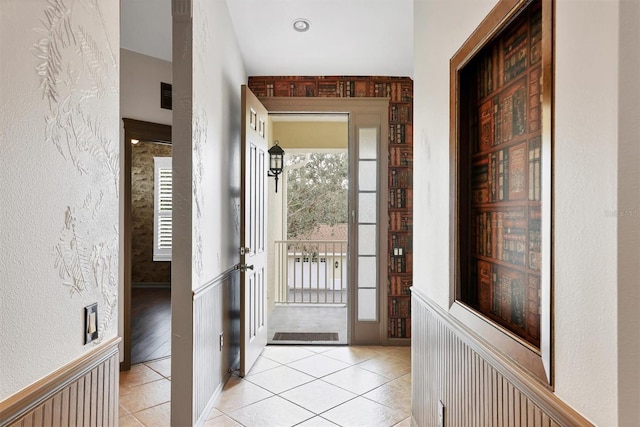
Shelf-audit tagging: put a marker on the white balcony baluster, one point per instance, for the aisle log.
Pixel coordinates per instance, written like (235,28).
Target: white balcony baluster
(311,272)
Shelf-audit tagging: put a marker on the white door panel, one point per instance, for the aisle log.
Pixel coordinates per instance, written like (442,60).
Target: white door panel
(253,259)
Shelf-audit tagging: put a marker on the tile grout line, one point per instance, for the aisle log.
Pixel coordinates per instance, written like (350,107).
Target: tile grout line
(394,357)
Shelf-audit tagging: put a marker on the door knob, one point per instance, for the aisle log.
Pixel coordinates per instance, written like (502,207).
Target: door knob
(243,267)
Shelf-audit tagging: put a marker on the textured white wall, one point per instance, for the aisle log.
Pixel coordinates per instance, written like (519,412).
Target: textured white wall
(586,159)
(218,73)
(586,150)
(440,28)
(60,178)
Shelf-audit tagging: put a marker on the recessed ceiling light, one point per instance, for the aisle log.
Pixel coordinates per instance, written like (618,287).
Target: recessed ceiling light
(135,141)
(301,25)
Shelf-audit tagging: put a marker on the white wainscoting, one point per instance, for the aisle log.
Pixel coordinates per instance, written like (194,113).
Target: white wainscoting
(84,392)
(473,381)
(215,310)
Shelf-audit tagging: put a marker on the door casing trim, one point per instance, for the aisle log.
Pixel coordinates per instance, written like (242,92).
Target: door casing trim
(364,333)
(144,131)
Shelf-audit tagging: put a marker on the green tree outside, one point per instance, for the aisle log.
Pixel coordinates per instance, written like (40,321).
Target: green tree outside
(317,193)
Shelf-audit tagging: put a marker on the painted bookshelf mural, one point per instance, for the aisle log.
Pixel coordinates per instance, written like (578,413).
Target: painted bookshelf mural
(400,92)
(505,85)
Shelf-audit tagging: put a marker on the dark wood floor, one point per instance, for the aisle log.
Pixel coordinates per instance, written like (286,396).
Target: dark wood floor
(150,324)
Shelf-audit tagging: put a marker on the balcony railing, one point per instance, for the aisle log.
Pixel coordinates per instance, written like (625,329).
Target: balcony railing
(311,271)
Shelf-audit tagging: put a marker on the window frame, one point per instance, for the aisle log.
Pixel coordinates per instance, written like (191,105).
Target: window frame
(161,252)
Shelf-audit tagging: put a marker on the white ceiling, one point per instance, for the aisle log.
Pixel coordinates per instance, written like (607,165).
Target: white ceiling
(347,37)
(145,27)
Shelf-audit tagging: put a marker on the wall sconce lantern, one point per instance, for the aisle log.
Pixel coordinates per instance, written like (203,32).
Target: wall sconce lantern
(276,161)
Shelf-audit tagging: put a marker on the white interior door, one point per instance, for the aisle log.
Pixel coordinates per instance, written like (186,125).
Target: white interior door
(253,255)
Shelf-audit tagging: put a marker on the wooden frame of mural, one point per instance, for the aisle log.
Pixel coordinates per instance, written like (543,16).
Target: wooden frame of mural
(501,193)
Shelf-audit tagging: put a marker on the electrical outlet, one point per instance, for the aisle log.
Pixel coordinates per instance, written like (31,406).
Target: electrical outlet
(221,340)
(91,323)
(440,413)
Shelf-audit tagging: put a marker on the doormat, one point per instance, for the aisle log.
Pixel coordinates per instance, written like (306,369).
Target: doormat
(305,336)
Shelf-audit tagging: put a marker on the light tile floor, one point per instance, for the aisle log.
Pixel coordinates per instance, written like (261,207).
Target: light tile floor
(288,386)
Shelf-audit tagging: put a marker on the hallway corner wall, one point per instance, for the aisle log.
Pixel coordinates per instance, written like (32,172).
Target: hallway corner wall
(629,215)
(207,74)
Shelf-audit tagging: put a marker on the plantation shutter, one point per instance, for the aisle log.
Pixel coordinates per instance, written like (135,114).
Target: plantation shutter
(162,224)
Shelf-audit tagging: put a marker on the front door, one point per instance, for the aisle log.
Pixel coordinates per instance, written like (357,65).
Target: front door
(253,255)
(369,206)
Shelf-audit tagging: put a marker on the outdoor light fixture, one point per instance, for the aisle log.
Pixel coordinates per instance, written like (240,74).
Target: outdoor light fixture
(276,161)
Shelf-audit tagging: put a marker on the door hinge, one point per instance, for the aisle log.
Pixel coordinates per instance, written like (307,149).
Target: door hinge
(244,251)
(243,267)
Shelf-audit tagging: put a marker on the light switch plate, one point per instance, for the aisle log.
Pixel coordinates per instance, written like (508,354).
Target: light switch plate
(91,323)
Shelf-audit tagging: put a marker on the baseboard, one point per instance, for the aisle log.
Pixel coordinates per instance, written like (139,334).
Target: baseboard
(203,417)
(83,392)
(162,285)
(400,342)
(235,364)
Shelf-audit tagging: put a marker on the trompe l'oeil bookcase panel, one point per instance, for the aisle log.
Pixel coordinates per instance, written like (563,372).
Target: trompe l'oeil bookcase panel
(400,92)
(503,114)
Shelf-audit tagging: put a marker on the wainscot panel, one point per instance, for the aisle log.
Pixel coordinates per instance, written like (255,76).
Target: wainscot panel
(215,311)
(476,384)
(84,392)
